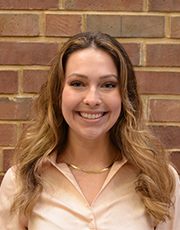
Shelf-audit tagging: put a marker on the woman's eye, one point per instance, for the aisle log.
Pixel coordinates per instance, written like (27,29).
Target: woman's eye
(76,84)
(109,85)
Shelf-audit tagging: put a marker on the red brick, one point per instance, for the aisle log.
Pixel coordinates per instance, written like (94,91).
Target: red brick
(136,26)
(32,4)
(103,5)
(163,55)
(164,5)
(110,24)
(169,135)
(7,154)
(133,51)
(62,25)
(126,26)
(165,110)
(33,80)
(17,109)
(8,134)
(175,159)
(13,53)
(8,82)
(175,28)
(151,82)
(19,25)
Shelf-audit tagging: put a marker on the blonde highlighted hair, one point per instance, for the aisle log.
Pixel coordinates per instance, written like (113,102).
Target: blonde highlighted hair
(130,134)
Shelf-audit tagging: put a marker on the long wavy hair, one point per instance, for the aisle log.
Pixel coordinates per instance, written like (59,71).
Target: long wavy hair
(130,134)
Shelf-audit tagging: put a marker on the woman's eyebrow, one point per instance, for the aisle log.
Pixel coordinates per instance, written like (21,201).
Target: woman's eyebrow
(78,75)
(108,76)
(86,77)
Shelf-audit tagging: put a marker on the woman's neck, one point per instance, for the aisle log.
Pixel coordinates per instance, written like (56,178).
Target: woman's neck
(90,154)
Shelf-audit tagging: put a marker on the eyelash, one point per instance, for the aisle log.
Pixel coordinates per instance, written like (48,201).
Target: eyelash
(76,84)
(107,85)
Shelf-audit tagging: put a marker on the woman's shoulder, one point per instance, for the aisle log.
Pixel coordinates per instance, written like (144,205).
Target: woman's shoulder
(9,180)
(175,174)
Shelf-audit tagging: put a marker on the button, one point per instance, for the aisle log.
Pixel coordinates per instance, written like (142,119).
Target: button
(91,225)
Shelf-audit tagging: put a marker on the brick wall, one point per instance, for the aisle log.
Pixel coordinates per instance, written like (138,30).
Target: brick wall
(30,35)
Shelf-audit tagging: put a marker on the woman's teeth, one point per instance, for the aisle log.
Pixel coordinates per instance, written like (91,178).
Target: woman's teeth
(91,116)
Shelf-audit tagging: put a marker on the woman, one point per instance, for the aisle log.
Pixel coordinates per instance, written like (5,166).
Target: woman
(89,161)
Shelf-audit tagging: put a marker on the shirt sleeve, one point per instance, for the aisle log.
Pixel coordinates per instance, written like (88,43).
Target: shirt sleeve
(174,222)
(7,191)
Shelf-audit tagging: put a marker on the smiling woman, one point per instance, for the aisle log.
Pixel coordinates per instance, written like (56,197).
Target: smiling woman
(91,101)
(89,161)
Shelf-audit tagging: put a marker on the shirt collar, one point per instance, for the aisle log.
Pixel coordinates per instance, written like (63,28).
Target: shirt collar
(66,171)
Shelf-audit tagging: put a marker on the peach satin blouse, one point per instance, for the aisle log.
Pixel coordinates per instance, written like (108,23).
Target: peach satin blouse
(62,205)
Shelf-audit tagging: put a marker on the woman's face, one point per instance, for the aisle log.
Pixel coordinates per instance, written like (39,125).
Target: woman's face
(91,101)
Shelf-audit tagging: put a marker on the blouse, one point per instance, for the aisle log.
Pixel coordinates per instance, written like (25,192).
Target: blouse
(62,205)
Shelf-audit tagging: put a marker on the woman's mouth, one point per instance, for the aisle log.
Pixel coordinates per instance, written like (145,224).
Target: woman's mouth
(91,115)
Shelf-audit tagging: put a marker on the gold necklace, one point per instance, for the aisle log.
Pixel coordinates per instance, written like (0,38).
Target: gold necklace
(90,172)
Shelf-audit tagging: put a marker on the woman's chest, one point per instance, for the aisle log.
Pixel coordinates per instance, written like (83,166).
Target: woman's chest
(116,206)
(127,213)
(90,184)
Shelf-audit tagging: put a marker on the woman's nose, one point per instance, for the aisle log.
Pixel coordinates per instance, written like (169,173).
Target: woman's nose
(92,97)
